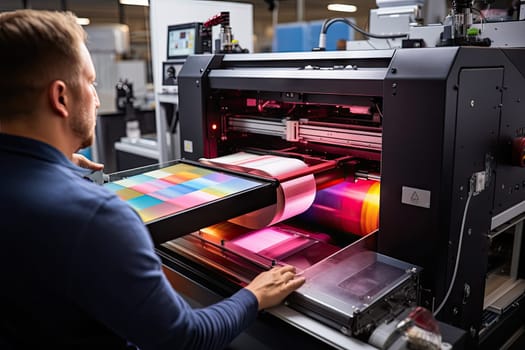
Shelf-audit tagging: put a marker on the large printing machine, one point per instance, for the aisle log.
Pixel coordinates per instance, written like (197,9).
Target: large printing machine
(442,130)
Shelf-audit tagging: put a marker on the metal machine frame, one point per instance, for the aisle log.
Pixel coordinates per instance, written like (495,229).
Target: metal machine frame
(446,122)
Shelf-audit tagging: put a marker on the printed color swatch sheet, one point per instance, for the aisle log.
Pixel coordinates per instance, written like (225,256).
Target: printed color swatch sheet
(166,191)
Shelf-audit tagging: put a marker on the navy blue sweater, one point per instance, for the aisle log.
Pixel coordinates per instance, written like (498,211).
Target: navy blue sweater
(78,268)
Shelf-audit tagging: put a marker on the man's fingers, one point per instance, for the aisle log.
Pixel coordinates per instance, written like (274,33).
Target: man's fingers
(288,276)
(83,162)
(281,270)
(295,283)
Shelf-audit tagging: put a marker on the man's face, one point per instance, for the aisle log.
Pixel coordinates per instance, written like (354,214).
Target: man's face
(86,102)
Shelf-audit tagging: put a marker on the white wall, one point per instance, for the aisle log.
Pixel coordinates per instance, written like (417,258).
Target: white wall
(167,12)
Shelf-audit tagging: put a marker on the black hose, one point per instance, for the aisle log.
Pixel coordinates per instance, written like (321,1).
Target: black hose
(327,23)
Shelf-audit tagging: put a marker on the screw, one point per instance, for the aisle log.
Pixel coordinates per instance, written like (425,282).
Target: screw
(466,290)
(473,331)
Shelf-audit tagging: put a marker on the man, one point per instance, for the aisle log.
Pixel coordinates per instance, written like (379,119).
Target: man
(77,265)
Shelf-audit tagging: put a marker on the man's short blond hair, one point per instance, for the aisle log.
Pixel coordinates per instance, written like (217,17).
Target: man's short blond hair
(36,48)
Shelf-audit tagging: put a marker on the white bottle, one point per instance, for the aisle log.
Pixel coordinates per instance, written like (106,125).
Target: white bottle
(133,130)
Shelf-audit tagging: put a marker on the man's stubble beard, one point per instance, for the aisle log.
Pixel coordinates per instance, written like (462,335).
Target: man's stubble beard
(83,128)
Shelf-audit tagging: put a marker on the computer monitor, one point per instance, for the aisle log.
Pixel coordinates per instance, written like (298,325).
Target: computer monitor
(184,40)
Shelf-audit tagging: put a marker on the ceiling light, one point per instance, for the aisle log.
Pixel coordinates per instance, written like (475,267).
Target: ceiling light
(83,21)
(342,8)
(134,2)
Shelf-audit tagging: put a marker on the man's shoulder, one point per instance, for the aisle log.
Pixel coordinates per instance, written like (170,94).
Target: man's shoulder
(77,197)
(77,185)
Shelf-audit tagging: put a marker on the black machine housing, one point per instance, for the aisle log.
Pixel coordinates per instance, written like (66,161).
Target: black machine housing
(442,128)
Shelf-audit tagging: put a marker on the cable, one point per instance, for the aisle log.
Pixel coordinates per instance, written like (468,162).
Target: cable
(174,121)
(481,16)
(379,111)
(328,22)
(480,13)
(456,266)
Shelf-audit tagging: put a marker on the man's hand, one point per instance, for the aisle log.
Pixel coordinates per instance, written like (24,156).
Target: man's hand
(83,162)
(271,287)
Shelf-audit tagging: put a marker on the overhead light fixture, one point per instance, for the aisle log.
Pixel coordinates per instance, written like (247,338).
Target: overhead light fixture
(83,21)
(134,2)
(342,8)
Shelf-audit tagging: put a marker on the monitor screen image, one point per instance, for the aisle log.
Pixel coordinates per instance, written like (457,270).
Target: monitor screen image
(182,40)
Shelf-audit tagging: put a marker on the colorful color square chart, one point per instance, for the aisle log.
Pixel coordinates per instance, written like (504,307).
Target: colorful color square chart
(167,191)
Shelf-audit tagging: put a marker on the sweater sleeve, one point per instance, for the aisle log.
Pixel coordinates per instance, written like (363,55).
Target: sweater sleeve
(117,279)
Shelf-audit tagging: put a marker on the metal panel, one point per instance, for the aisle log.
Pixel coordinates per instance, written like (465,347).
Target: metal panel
(366,81)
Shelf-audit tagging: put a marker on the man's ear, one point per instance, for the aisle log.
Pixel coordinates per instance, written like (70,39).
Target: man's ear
(58,99)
